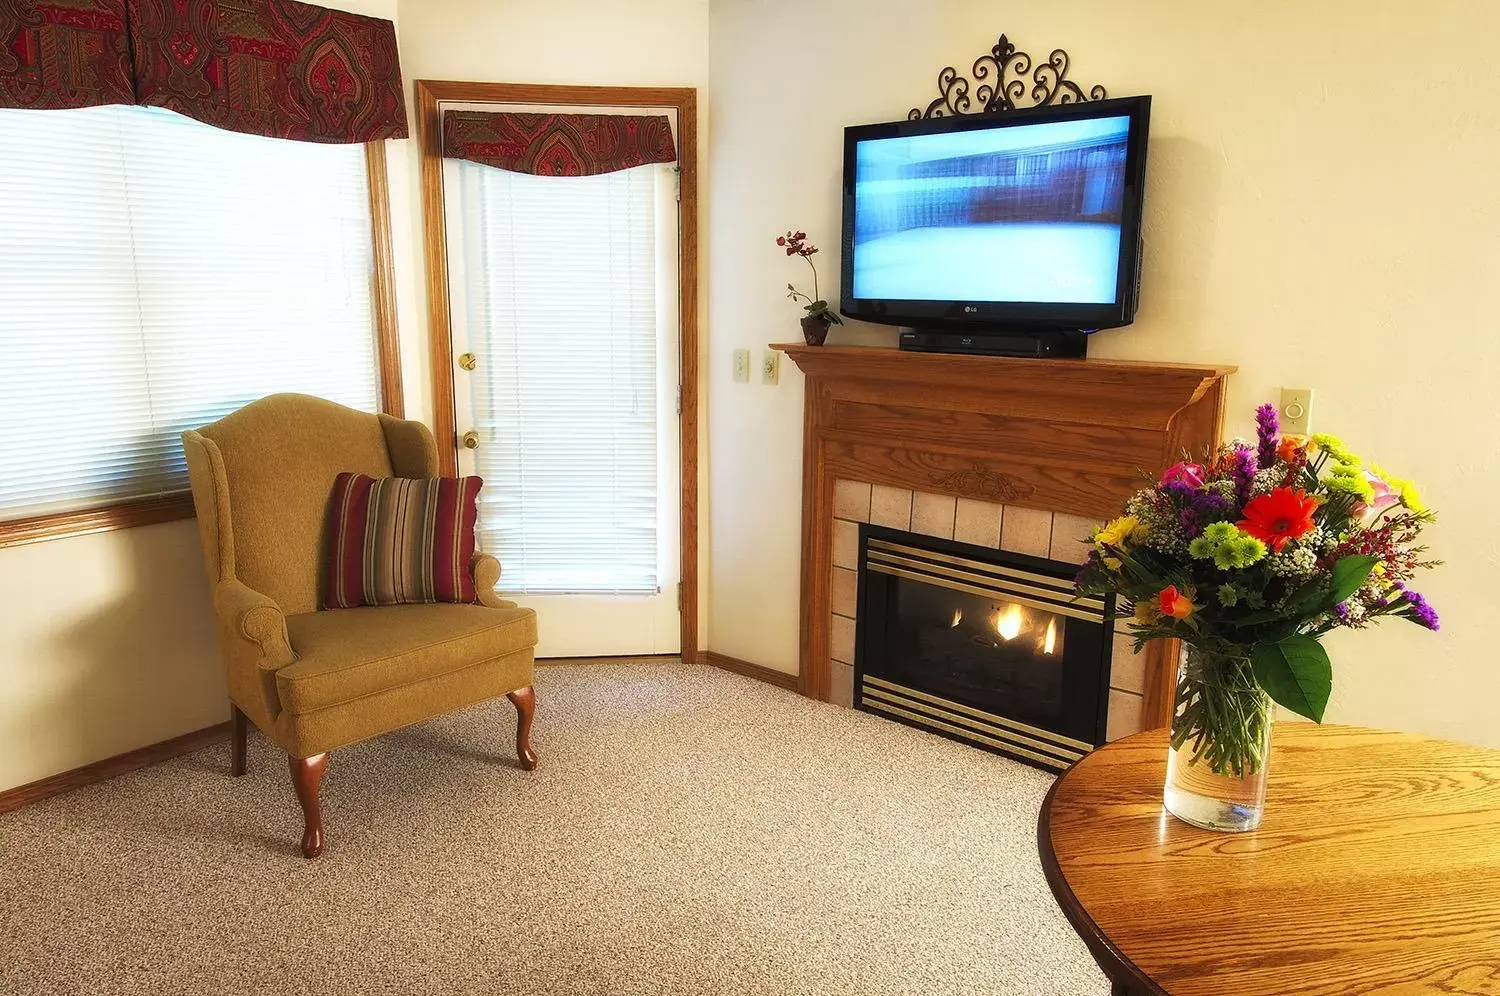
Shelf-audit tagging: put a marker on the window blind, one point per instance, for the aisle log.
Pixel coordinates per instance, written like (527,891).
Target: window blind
(156,274)
(562,301)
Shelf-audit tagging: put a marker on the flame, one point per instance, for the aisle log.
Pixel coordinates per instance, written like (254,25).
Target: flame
(1049,642)
(1008,623)
(958,617)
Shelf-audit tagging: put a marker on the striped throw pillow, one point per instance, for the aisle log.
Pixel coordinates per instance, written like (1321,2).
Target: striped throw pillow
(394,540)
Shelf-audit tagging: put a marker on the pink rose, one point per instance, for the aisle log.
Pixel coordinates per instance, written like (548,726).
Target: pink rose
(1185,473)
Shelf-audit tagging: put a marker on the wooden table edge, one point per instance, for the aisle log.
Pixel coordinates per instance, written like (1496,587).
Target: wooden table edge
(1120,970)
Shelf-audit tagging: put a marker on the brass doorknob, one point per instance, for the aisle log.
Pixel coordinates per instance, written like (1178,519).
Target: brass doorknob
(470,440)
(468,361)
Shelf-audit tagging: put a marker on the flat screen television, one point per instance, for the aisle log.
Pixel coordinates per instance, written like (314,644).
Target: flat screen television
(1014,232)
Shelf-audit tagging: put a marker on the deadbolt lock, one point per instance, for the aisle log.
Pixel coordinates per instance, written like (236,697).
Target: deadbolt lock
(468,361)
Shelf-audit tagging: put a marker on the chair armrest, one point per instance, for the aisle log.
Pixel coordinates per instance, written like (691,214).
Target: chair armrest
(486,571)
(255,618)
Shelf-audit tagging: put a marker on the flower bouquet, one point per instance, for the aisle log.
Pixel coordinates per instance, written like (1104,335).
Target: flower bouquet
(1249,559)
(819,315)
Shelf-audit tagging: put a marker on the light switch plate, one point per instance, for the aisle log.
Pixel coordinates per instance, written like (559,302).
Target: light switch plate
(1296,410)
(770,367)
(742,366)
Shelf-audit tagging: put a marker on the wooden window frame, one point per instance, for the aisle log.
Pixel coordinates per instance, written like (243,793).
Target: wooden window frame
(684,100)
(179,504)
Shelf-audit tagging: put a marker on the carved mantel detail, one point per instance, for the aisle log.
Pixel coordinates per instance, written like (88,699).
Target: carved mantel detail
(984,484)
(1067,436)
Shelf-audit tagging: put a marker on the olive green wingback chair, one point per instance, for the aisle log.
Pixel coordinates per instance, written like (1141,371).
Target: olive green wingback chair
(313,680)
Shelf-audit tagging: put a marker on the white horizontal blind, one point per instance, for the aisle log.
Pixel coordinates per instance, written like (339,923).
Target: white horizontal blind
(157,273)
(561,293)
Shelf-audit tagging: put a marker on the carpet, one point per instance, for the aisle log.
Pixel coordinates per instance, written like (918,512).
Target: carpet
(687,831)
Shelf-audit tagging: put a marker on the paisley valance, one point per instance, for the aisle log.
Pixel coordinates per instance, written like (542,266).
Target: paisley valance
(558,144)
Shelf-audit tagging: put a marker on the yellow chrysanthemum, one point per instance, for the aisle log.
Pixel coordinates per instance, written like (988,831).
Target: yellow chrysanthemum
(1410,496)
(1119,534)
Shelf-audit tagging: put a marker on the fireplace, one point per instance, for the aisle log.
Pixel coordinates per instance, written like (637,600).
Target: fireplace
(982,645)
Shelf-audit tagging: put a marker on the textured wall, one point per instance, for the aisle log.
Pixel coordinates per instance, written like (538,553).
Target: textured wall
(1320,211)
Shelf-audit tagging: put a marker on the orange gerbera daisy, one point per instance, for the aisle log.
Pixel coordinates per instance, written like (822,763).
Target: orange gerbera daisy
(1280,517)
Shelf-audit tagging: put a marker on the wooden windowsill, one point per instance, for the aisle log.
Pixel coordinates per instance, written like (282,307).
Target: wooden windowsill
(123,515)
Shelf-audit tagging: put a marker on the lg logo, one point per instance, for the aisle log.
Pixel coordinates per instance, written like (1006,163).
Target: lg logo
(969,309)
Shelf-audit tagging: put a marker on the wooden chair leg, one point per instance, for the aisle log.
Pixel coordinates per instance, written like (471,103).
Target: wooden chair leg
(240,730)
(307,775)
(524,700)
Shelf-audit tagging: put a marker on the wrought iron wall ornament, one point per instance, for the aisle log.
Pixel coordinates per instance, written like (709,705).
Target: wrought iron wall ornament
(1000,80)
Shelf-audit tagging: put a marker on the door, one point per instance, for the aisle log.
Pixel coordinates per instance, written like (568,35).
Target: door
(564,301)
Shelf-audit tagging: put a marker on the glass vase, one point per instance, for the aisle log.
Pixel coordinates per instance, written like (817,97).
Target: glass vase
(1221,742)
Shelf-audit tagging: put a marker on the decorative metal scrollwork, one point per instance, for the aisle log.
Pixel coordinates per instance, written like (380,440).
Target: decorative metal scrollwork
(1001,80)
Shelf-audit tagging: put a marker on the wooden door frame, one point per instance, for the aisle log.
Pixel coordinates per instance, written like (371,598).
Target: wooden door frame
(684,100)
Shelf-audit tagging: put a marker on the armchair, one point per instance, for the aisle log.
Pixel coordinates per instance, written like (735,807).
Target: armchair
(311,680)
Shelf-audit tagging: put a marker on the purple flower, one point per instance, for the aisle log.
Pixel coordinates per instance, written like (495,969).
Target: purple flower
(1342,611)
(1191,527)
(1421,611)
(1267,425)
(1242,470)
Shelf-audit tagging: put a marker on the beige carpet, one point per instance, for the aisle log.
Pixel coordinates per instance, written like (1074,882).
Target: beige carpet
(688,831)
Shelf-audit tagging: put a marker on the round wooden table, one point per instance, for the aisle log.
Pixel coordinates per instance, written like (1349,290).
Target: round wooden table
(1376,870)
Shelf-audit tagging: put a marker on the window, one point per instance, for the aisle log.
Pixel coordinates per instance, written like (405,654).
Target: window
(156,274)
(564,288)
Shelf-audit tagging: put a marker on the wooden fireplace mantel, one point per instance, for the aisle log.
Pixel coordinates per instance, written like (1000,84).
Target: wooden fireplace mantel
(1070,436)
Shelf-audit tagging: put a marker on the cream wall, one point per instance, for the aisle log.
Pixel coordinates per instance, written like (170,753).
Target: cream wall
(1321,211)
(107,641)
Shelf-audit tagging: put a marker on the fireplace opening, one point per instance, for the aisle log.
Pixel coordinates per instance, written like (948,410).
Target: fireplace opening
(984,646)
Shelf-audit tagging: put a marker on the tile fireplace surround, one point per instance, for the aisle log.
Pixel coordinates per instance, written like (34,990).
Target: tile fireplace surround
(1021,455)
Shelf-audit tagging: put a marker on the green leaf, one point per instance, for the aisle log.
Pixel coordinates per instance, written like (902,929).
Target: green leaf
(1348,574)
(1296,673)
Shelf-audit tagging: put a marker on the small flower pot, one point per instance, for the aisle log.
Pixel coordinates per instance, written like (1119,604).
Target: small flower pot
(815,329)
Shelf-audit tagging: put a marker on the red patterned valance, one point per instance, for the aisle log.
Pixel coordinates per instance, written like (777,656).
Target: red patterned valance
(270,67)
(558,144)
(57,54)
(266,67)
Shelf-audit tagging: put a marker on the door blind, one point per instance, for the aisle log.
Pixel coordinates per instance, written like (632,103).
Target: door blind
(156,274)
(561,294)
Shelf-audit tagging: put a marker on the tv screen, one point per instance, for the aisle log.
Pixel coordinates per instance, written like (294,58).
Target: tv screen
(1024,218)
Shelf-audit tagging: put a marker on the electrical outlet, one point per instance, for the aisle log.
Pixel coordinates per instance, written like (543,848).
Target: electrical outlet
(742,366)
(770,367)
(1296,410)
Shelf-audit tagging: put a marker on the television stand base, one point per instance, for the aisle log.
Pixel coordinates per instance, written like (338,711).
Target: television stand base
(997,342)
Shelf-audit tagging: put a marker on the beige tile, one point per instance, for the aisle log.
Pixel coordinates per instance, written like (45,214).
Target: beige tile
(1127,669)
(1124,714)
(1070,534)
(890,507)
(841,640)
(851,500)
(932,515)
(844,591)
(1026,530)
(845,544)
(841,688)
(977,522)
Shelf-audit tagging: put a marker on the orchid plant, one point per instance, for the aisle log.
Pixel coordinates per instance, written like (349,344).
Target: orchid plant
(796,244)
(1250,558)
